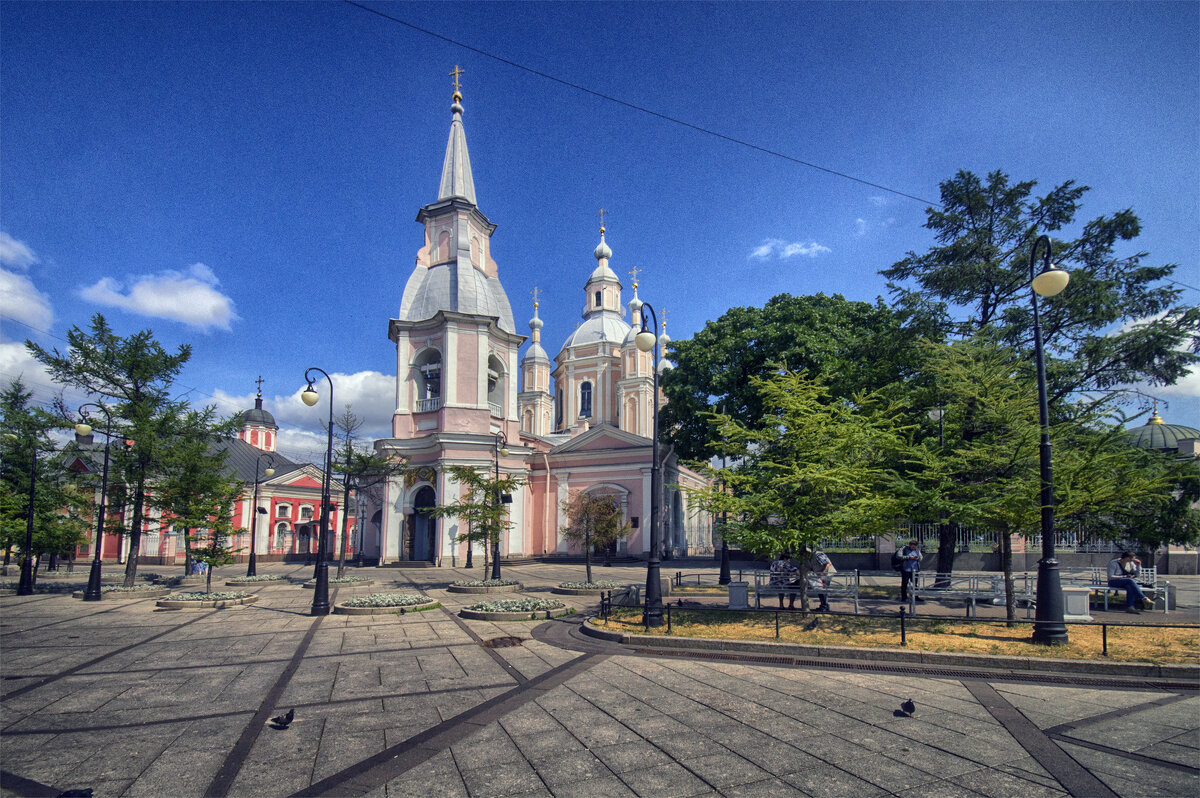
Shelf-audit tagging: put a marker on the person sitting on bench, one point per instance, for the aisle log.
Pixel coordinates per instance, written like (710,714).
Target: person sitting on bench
(1122,575)
(783,572)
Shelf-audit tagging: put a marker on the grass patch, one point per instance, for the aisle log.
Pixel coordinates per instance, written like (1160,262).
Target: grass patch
(701,590)
(1133,643)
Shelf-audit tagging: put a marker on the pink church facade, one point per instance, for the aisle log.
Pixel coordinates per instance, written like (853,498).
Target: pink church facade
(578,423)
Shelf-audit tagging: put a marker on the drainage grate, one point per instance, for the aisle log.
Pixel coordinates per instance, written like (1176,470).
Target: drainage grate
(928,672)
(502,642)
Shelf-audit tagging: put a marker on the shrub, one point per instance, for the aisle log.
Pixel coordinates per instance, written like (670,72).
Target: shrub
(388,600)
(603,584)
(227,595)
(484,582)
(516,605)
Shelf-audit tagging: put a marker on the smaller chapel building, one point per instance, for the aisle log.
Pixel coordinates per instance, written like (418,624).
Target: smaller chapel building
(578,423)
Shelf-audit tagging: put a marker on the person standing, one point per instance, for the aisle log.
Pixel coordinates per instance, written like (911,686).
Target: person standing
(824,571)
(910,565)
(1122,575)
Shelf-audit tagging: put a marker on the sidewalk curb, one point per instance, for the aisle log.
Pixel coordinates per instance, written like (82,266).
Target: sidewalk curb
(1025,664)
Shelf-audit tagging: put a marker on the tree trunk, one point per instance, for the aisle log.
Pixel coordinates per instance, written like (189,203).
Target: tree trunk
(345,529)
(135,531)
(7,555)
(1010,600)
(208,581)
(587,555)
(37,563)
(947,535)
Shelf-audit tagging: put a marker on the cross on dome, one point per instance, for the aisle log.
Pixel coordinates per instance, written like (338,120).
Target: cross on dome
(601,216)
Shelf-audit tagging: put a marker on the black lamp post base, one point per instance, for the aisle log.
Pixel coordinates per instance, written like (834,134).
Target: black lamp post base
(251,569)
(93,586)
(1048,626)
(725,577)
(320,605)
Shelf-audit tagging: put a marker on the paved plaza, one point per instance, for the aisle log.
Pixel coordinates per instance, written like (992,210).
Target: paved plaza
(130,700)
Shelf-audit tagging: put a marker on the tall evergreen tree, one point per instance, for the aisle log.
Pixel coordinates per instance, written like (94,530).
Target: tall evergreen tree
(135,374)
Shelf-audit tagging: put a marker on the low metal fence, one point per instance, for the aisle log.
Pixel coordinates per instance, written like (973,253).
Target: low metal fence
(904,620)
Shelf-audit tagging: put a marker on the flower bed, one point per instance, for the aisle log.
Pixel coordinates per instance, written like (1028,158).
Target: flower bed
(215,600)
(341,581)
(586,588)
(118,592)
(250,580)
(485,586)
(519,609)
(381,603)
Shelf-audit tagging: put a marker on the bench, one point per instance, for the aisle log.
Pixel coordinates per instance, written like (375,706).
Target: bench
(1096,577)
(841,585)
(969,588)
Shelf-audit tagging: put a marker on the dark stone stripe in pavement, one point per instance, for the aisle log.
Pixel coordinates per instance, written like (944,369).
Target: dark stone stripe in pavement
(394,761)
(1062,728)
(509,668)
(500,660)
(26,787)
(1073,777)
(237,757)
(1149,760)
(101,658)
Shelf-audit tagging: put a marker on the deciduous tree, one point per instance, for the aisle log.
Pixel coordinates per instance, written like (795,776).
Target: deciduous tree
(594,520)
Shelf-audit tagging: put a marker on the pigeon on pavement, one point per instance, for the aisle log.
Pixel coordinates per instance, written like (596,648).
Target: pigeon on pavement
(283,721)
(909,707)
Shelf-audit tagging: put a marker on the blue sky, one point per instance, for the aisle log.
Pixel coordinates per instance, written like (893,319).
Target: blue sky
(244,177)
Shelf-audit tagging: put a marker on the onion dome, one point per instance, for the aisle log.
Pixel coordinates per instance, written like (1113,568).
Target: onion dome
(1157,434)
(535,353)
(258,416)
(602,250)
(603,272)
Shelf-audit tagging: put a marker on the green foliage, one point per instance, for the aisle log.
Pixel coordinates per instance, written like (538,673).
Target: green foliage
(214,553)
(26,451)
(1115,324)
(594,520)
(814,466)
(136,375)
(853,346)
(479,508)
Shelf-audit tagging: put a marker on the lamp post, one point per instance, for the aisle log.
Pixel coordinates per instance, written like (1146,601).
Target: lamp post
(647,341)
(83,434)
(1048,626)
(500,450)
(320,604)
(269,472)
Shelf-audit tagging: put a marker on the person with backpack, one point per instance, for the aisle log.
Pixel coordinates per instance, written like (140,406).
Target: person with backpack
(910,564)
(823,572)
(1122,574)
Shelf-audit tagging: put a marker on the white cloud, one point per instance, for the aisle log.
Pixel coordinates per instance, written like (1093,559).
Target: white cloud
(191,297)
(860,226)
(1187,386)
(880,201)
(15,253)
(21,301)
(781,250)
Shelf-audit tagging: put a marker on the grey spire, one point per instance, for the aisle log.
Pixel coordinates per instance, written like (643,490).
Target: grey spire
(456,169)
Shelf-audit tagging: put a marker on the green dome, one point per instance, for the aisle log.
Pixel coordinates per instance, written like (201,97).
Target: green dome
(1157,434)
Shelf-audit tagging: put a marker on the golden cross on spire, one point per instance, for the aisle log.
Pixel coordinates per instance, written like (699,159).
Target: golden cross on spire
(534,293)
(259,381)
(634,272)
(601,216)
(454,74)
(664,318)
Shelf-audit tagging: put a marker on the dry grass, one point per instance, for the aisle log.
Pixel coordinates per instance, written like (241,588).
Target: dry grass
(1125,643)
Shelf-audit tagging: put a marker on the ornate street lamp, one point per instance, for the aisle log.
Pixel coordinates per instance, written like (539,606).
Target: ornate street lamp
(83,435)
(1048,626)
(647,341)
(320,604)
(500,450)
(269,472)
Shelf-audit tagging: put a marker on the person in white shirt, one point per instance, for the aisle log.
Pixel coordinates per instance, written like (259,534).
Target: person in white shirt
(1122,575)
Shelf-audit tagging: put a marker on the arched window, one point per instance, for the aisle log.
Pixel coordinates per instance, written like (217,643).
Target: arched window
(585,400)
(558,410)
(527,421)
(496,384)
(428,379)
(443,250)
(598,295)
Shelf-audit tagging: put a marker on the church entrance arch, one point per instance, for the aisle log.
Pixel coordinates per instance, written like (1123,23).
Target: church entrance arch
(421,542)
